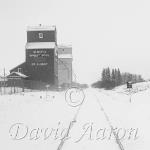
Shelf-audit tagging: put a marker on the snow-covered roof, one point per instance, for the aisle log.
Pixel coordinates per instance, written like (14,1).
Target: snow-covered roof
(64,46)
(39,45)
(41,28)
(64,56)
(17,74)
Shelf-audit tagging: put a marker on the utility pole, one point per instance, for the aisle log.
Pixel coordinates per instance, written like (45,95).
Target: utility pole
(4,80)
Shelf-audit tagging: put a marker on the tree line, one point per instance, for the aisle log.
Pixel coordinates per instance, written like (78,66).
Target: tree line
(111,78)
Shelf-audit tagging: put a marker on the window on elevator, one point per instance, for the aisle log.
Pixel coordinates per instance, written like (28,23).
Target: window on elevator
(40,35)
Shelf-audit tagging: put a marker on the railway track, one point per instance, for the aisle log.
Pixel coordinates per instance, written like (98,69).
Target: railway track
(74,120)
(108,121)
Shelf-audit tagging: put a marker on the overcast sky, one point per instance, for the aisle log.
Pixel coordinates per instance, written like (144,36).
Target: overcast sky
(103,33)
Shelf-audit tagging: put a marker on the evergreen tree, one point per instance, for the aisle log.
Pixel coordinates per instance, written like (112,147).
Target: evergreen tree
(103,74)
(108,77)
(116,77)
(113,78)
(119,77)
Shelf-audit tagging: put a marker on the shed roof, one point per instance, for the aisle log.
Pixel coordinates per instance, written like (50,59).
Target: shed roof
(19,66)
(64,46)
(16,74)
(64,56)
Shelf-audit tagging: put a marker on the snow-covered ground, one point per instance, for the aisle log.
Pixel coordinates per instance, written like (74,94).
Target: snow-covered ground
(39,120)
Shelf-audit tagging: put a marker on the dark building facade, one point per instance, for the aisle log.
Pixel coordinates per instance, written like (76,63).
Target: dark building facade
(41,63)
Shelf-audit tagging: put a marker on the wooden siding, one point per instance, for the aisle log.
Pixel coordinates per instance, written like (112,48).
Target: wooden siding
(48,36)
